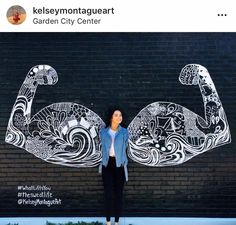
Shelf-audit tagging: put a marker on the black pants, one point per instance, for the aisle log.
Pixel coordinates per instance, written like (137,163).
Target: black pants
(113,181)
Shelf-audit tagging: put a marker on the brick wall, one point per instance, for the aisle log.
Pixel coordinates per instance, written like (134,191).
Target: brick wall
(132,70)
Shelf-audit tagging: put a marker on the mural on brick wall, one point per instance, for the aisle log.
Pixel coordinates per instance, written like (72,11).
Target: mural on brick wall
(162,134)
(62,133)
(165,134)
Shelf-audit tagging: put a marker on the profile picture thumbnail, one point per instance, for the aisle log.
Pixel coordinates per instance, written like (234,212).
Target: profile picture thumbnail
(16,15)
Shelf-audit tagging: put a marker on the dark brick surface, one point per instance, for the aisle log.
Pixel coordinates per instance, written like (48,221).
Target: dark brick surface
(133,70)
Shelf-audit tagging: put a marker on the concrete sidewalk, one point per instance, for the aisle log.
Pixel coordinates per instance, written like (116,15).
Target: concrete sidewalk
(123,220)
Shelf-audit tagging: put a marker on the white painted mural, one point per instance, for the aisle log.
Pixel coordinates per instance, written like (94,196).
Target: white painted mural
(162,134)
(165,133)
(62,133)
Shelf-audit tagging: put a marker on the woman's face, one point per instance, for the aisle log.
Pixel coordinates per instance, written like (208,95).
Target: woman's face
(116,117)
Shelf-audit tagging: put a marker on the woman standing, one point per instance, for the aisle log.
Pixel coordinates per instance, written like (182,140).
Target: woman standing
(114,141)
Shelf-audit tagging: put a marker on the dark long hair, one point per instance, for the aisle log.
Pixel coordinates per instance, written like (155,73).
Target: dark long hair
(110,112)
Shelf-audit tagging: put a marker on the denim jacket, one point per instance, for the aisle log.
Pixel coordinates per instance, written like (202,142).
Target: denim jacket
(120,146)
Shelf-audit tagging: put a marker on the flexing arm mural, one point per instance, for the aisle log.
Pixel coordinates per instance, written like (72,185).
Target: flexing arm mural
(162,134)
(61,133)
(165,134)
